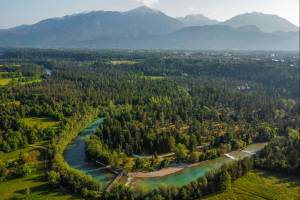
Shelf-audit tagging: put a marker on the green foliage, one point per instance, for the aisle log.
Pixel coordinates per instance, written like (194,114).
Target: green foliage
(28,194)
(225,180)
(25,170)
(15,188)
(212,182)
(77,181)
(194,157)
(4,81)
(281,154)
(197,104)
(258,185)
(181,152)
(40,122)
(3,171)
(293,134)
(54,178)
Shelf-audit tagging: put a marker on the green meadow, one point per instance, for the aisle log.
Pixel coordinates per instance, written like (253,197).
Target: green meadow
(124,62)
(36,182)
(38,185)
(37,80)
(4,73)
(17,103)
(155,77)
(40,122)
(259,185)
(4,81)
(15,154)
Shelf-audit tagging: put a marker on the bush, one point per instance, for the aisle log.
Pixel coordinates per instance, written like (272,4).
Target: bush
(25,170)
(54,178)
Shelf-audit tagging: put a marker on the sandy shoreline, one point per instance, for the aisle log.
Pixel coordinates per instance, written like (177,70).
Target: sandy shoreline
(180,167)
(161,172)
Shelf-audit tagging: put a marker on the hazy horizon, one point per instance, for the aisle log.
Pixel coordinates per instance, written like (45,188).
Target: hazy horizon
(33,11)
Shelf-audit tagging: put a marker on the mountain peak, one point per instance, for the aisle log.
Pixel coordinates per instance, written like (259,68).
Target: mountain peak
(266,22)
(144,27)
(195,16)
(197,20)
(143,10)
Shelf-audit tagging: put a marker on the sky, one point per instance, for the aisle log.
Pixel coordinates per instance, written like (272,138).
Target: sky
(17,12)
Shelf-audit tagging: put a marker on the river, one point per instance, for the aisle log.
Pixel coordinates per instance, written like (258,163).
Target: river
(191,174)
(76,158)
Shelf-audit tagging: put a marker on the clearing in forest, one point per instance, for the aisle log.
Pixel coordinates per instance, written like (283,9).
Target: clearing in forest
(4,81)
(36,182)
(40,122)
(123,62)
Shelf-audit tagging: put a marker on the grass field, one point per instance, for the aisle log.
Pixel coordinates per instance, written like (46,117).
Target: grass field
(10,65)
(259,185)
(4,73)
(40,122)
(4,81)
(36,182)
(15,154)
(17,103)
(123,62)
(17,80)
(154,77)
(37,80)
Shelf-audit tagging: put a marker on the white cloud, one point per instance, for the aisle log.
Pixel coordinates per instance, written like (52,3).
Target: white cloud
(191,8)
(148,3)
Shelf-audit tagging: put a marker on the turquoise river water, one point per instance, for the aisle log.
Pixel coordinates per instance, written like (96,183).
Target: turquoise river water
(191,174)
(76,158)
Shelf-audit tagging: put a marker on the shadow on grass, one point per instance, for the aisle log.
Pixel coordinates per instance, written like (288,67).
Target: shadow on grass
(292,180)
(42,190)
(38,178)
(45,190)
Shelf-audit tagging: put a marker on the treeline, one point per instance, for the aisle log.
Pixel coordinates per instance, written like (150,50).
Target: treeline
(62,173)
(22,166)
(14,134)
(281,154)
(248,67)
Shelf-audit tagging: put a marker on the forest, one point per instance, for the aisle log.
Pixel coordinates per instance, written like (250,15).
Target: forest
(192,105)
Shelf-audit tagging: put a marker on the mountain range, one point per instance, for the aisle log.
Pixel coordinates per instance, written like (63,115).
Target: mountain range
(145,28)
(197,20)
(266,23)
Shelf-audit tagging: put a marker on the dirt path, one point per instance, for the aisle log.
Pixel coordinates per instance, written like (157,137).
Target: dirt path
(150,156)
(38,146)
